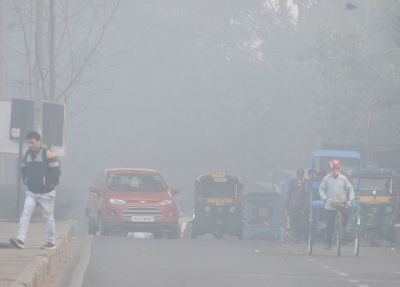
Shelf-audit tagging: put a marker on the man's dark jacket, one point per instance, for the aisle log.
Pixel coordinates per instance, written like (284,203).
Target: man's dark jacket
(295,194)
(40,170)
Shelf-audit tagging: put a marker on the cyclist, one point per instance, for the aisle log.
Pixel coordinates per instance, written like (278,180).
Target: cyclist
(337,187)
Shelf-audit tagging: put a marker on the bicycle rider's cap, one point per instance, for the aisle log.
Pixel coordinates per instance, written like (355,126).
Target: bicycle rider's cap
(335,164)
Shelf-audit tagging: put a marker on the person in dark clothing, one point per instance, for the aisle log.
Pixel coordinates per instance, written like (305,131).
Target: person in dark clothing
(294,202)
(40,172)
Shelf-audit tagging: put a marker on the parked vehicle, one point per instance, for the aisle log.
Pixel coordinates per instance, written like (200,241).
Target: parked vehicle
(321,159)
(261,215)
(132,200)
(379,196)
(218,205)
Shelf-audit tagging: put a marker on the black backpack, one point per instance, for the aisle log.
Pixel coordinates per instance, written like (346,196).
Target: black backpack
(44,159)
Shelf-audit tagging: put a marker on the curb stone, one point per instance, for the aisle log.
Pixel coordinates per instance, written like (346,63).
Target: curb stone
(36,272)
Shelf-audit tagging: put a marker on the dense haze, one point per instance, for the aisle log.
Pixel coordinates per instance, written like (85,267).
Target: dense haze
(187,87)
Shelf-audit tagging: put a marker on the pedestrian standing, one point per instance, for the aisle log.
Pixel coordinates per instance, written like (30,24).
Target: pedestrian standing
(40,172)
(336,187)
(294,202)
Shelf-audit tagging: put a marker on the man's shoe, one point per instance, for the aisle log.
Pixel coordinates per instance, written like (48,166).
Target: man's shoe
(17,243)
(327,247)
(48,246)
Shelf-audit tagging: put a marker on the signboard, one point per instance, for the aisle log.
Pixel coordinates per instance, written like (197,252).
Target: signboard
(9,139)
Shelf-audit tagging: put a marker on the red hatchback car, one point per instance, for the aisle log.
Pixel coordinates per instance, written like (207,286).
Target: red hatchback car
(132,200)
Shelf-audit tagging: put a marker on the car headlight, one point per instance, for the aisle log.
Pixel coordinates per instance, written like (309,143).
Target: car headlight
(207,209)
(232,209)
(117,201)
(166,202)
(389,209)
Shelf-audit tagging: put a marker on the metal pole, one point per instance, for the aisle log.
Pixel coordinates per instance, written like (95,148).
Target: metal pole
(38,114)
(52,76)
(1,85)
(52,60)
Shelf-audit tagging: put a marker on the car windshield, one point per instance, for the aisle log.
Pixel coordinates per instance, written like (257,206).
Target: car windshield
(211,189)
(382,186)
(135,182)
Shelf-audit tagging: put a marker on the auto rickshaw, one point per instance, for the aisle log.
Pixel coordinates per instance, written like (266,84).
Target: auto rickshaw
(379,198)
(218,205)
(261,215)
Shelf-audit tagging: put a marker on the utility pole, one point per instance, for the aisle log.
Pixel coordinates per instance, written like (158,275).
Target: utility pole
(52,76)
(1,85)
(38,107)
(52,63)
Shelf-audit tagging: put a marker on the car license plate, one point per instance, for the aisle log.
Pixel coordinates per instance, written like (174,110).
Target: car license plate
(143,218)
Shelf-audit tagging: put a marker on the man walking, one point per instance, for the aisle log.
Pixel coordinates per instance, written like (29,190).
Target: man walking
(337,187)
(40,172)
(294,202)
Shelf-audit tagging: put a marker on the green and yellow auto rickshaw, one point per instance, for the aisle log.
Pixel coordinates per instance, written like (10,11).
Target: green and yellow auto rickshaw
(218,205)
(379,200)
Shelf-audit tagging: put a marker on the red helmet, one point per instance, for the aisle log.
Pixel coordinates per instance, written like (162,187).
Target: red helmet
(335,163)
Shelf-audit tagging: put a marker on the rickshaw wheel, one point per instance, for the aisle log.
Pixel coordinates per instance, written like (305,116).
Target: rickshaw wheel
(310,239)
(339,234)
(357,240)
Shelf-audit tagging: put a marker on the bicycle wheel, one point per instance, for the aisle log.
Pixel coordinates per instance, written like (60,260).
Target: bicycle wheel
(357,239)
(339,229)
(310,238)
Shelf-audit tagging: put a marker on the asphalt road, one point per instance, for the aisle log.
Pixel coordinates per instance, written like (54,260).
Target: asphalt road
(118,261)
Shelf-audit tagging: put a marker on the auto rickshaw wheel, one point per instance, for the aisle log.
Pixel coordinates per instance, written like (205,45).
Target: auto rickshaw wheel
(240,235)
(193,234)
(219,232)
(372,236)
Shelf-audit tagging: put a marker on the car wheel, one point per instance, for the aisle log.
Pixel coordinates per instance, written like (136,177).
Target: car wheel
(90,229)
(102,231)
(158,235)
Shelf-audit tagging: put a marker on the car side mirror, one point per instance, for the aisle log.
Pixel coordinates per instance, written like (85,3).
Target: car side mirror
(175,190)
(94,188)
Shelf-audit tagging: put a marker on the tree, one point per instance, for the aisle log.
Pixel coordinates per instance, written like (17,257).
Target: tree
(83,40)
(357,78)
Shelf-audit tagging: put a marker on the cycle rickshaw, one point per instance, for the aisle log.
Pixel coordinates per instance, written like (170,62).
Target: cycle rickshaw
(352,160)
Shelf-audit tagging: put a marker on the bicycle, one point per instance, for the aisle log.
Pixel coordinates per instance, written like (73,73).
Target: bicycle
(338,227)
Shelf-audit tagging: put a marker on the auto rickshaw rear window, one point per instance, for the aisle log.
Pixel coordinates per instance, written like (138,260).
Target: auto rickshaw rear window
(216,189)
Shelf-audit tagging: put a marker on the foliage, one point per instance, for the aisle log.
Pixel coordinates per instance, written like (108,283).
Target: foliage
(358,78)
(67,200)
(82,32)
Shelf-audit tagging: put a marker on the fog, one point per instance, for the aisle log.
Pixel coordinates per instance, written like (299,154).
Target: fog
(188,87)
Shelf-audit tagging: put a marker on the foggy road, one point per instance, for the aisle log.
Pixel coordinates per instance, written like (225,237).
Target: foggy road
(117,261)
